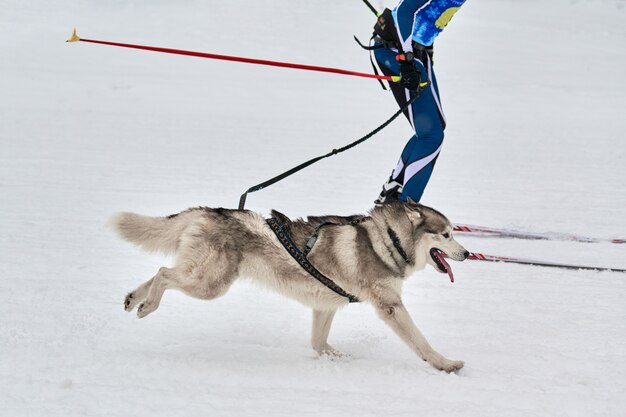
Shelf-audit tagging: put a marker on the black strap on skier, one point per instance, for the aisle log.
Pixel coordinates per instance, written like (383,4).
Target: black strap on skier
(280,230)
(242,199)
(386,33)
(384,36)
(371,48)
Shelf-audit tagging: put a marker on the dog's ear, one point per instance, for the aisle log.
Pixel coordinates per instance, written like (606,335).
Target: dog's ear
(413,211)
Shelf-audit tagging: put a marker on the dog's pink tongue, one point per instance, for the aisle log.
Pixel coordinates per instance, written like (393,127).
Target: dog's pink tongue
(446,265)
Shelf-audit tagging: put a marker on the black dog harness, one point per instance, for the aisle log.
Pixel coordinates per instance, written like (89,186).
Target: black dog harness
(281,231)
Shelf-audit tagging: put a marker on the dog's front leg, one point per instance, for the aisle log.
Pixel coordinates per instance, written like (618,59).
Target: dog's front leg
(398,318)
(322,319)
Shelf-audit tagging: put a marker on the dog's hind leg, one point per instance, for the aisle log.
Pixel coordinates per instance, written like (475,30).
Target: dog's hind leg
(398,318)
(208,279)
(138,295)
(322,320)
(156,287)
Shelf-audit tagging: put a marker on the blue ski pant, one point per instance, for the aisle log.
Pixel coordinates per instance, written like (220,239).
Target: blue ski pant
(427,120)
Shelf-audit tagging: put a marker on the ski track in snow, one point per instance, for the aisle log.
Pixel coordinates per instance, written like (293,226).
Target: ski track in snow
(534,94)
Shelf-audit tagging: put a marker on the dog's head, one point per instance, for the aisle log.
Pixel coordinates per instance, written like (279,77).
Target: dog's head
(433,237)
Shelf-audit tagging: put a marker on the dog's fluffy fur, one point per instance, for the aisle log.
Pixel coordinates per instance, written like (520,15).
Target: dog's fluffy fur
(213,247)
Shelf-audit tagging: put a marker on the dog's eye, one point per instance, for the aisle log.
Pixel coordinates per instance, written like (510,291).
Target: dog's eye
(446,235)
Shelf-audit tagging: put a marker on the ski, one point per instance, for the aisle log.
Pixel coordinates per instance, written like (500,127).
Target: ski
(518,234)
(490,258)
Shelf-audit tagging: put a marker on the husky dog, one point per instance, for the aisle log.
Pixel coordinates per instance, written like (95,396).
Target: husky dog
(366,256)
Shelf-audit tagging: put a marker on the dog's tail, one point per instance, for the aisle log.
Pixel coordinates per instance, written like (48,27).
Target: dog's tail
(155,234)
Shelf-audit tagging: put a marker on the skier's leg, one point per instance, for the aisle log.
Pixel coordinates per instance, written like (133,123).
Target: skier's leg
(429,129)
(426,117)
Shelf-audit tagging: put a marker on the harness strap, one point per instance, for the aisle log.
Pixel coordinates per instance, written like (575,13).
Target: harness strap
(283,237)
(371,48)
(311,241)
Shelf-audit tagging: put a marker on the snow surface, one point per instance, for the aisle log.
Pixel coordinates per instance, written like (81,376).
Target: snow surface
(534,93)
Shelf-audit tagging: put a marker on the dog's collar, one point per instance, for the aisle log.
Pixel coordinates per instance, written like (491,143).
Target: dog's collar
(396,244)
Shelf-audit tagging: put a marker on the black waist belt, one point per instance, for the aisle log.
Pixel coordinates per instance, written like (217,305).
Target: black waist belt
(392,44)
(280,230)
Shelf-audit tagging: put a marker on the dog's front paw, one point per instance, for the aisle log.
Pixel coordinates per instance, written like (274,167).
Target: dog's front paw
(447,365)
(452,366)
(443,364)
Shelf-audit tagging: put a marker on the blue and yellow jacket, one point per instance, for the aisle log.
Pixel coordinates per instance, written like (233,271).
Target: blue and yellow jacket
(422,20)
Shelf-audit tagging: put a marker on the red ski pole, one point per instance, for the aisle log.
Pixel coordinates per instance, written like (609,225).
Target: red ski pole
(520,234)
(490,258)
(75,38)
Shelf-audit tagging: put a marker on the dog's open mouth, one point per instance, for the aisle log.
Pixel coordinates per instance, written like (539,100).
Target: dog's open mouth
(440,261)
